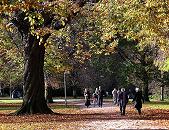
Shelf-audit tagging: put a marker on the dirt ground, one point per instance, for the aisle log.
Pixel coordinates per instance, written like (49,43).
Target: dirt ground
(92,118)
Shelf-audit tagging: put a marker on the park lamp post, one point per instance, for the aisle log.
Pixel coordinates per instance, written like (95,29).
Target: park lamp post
(66,72)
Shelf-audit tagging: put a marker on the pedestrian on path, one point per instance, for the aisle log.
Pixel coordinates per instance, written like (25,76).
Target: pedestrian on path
(114,94)
(95,97)
(87,97)
(118,96)
(123,99)
(138,99)
(100,96)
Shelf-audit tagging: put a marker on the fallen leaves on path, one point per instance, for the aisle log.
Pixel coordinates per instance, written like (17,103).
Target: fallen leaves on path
(105,118)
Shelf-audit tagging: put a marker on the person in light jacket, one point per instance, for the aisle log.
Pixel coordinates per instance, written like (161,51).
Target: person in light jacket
(87,97)
(95,97)
(114,94)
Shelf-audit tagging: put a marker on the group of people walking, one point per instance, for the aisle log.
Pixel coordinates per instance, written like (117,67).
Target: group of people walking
(97,97)
(120,98)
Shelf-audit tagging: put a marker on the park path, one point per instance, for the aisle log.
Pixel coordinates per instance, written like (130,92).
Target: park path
(119,122)
(109,118)
(92,118)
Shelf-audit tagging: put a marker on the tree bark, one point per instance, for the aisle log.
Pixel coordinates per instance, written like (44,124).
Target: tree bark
(146,84)
(74,92)
(49,95)
(146,94)
(34,88)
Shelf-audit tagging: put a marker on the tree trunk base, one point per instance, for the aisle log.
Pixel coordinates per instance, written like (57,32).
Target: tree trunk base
(28,110)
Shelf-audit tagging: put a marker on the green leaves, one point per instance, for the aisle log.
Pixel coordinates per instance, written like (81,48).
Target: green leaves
(143,21)
(11,62)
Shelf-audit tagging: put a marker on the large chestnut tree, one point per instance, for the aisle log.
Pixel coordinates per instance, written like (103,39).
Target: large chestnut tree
(37,20)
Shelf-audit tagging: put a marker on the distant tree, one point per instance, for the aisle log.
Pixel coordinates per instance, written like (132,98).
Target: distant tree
(140,62)
(145,22)
(11,61)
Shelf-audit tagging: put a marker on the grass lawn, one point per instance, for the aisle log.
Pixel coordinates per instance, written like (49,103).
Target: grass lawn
(157,104)
(10,101)
(14,104)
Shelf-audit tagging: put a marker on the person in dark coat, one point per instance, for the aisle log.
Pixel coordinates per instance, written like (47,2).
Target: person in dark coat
(100,96)
(138,99)
(123,100)
(87,98)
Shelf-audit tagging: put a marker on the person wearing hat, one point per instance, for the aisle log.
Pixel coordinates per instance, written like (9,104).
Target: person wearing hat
(138,99)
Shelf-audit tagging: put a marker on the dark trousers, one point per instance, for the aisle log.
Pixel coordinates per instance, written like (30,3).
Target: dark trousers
(139,111)
(100,102)
(122,109)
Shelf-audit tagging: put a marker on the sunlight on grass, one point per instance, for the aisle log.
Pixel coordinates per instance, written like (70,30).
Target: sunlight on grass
(160,106)
(11,101)
(7,106)
(157,104)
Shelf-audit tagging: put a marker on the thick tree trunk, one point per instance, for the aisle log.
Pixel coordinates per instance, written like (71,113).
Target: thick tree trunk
(49,95)
(34,88)
(146,84)
(145,92)
(74,92)
(1,94)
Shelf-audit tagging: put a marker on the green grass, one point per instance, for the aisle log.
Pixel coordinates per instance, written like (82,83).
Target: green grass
(6,101)
(8,108)
(10,104)
(53,107)
(157,104)
(63,107)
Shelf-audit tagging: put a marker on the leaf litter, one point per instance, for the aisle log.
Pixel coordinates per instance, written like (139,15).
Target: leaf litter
(93,118)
